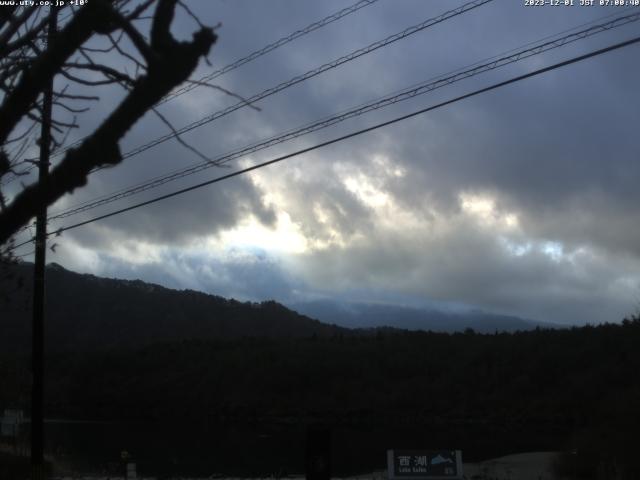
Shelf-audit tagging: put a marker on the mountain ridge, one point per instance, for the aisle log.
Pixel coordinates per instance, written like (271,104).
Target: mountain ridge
(133,313)
(368,315)
(85,311)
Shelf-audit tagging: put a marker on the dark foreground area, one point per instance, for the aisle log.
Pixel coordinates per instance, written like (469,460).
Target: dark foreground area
(243,407)
(173,449)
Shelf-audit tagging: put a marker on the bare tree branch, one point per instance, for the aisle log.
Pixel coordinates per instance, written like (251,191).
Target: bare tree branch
(108,72)
(94,17)
(25,40)
(169,64)
(179,138)
(226,92)
(14,24)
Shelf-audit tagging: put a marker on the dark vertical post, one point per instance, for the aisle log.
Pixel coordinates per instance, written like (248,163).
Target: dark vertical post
(37,347)
(318,454)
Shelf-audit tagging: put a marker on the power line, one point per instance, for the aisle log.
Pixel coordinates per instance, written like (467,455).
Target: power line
(252,56)
(25,254)
(351,135)
(297,79)
(310,74)
(419,89)
(560,42)
(269,48)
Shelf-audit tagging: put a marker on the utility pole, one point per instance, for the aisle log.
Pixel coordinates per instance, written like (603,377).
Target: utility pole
(37,346)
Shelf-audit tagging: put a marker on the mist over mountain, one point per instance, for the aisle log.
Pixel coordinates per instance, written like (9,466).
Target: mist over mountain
(367,315)
(88,312)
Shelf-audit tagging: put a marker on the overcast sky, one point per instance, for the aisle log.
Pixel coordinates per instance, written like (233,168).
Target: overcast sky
(521,201)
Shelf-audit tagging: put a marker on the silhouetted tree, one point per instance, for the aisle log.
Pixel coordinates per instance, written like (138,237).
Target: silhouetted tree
(27,65)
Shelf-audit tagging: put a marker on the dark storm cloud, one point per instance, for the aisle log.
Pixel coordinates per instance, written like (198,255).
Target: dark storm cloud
(558,152)
(467,263)
(200,213)
(561,155)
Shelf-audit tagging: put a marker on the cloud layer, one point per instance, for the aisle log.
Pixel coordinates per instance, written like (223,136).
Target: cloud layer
(520,201)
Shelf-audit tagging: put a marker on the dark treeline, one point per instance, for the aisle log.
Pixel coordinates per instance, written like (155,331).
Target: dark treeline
(581,385)
(560,377)
(565,379)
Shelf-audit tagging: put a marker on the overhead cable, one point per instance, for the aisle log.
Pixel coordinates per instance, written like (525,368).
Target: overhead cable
(312,73)
(269,48)
(495,86)
(406,94)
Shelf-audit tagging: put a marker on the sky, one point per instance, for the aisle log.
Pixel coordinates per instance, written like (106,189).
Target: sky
(519,201)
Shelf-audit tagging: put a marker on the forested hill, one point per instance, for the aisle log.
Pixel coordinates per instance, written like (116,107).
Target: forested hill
(85,312)
(552,377)
(581,386)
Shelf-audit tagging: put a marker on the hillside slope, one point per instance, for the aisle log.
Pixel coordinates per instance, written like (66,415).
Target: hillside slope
(88,312)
